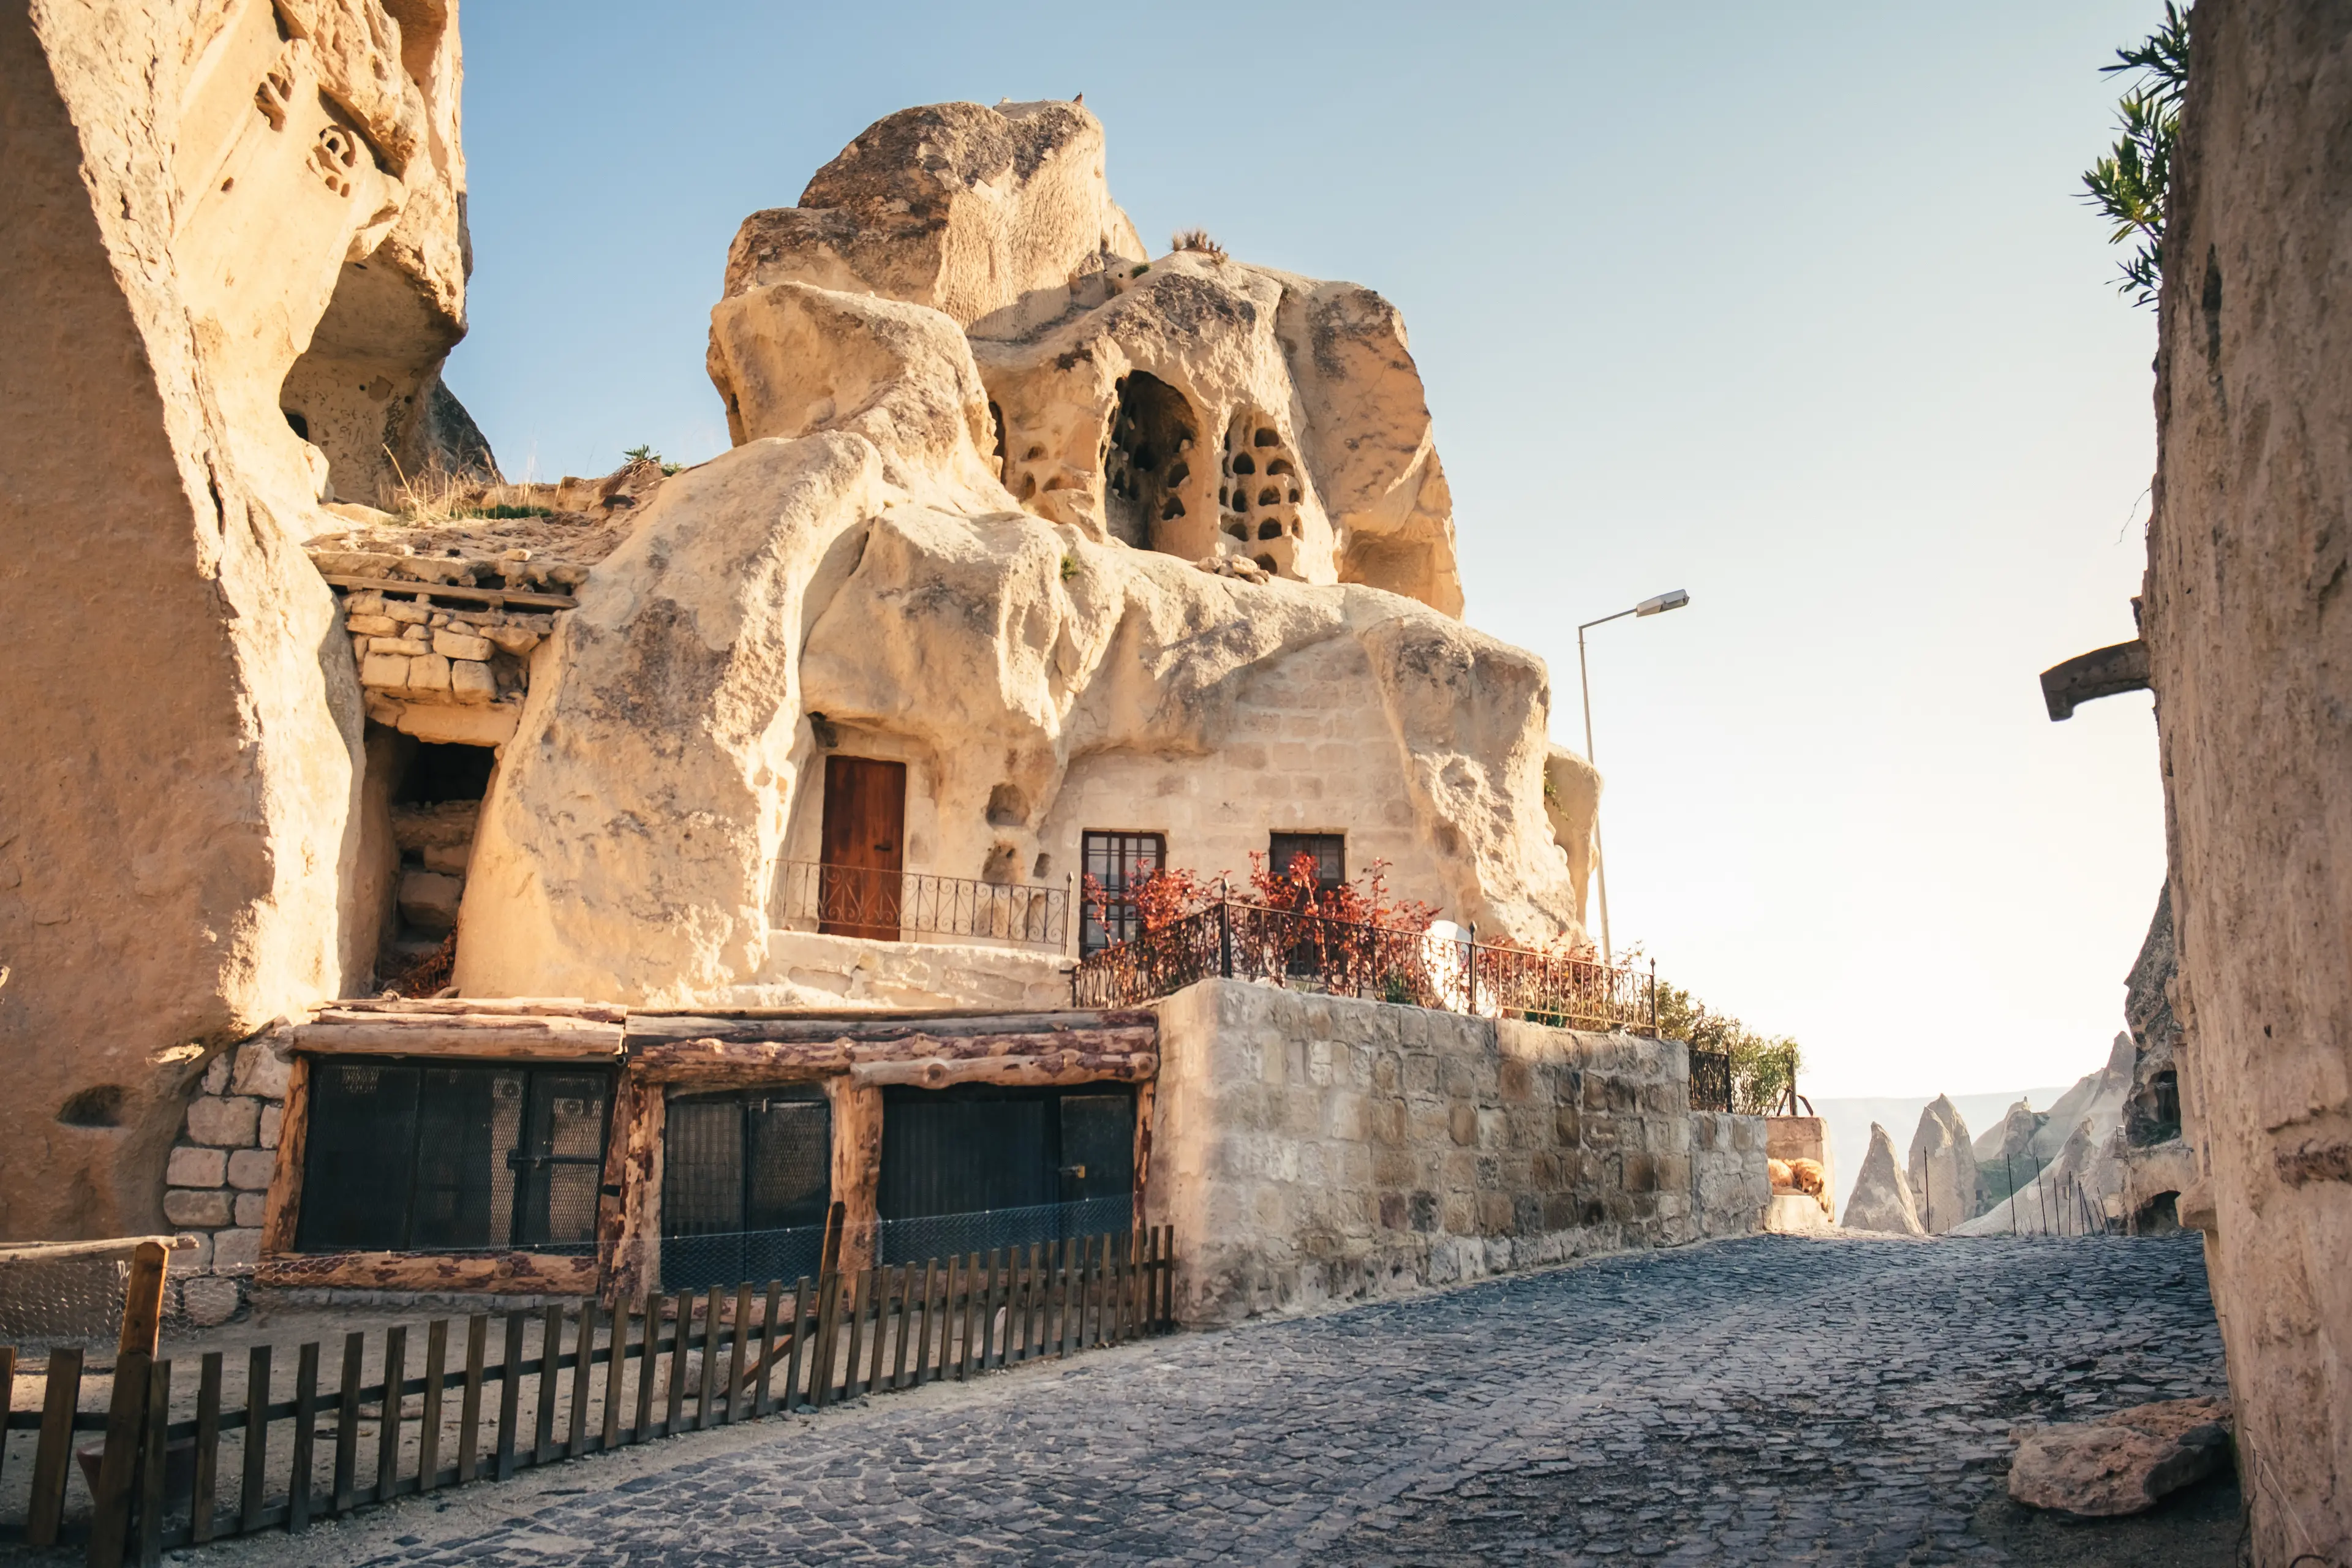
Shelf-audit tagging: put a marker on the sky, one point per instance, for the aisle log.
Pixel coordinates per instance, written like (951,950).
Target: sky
(1796,308)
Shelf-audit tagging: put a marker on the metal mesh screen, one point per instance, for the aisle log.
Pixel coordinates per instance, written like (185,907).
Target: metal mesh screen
(981,1230)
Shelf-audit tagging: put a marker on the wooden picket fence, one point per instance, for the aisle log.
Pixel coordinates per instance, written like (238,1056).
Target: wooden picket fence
(805,1345)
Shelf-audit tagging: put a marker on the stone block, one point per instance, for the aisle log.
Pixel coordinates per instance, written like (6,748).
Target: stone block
(250,1206)
(513,639)
(428,672)
(263,1069)
(188,1167)
(236,1248)
(206,1207)
(472,682)
(250,1170)
(372,625)
(210,1301)
(403,610)
(272,1118)
(448,858)
(385,672)
(187,1260)
(429,899)
(216,1074)
(224,1121)
(455,645)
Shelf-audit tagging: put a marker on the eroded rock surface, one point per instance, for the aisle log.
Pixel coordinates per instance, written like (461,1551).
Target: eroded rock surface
(1882,1197)
(1943,1169)
(2121,1463)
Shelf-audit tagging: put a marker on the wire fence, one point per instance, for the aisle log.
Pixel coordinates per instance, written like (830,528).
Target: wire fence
(884,905)
(1241,940)
(981,1230)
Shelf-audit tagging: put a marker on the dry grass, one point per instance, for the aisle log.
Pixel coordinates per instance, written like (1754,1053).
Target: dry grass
(1197,240)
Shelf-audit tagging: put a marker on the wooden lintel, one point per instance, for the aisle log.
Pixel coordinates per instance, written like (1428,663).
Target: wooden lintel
(1038,1071)
(719,1062)
(498,597)
(535,1038)
(856,1167)
(649,1028)
(628,1209)
(486,1006)
(530,1273)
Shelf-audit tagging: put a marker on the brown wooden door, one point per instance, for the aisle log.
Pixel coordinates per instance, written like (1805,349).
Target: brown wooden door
(864,847)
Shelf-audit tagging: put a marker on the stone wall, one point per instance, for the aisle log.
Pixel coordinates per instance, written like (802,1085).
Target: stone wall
(1730,1184)
(2251,656)
(1311,1148)
(218,1172)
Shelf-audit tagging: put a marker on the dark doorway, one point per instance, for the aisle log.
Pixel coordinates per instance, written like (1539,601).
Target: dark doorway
(976,1167)
(746,1181)
(864,848)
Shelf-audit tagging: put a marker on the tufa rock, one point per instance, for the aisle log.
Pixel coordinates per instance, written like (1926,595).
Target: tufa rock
(2122,1463)
(1882,1197)
(1943,1169)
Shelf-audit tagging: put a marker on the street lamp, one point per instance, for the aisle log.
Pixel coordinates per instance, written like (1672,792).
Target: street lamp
(1660,604)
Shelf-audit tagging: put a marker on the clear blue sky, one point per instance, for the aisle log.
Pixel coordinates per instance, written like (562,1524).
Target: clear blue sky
(1791,306)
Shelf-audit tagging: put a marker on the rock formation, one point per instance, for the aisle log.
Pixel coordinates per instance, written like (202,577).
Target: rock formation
(201,200)
(2061,1172)
(1079,539)
(2159,1163)
(1882,1198)
(967,523)
(2120,1464)
(1943,1169)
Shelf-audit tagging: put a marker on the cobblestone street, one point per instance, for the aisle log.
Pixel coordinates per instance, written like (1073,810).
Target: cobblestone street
(1765,1400)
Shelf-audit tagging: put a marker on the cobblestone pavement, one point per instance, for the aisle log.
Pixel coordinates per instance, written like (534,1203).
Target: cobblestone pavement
(1764,1401)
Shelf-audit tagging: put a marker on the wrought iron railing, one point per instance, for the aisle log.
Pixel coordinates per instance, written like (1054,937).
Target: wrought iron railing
(1239,941)
(888,906)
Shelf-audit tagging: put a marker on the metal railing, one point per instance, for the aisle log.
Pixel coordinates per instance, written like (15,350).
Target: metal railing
(885,906)
(1239,941)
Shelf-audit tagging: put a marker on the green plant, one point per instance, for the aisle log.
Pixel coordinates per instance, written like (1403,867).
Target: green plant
(1069,567)
(646,454)
(1198,240)
(1396,990)
(1140,269)
(503,511)
(2131,185)
(1763,1068)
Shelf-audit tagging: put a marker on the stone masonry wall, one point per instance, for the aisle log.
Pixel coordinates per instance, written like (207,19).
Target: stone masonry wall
(1313,1148)
(1730,1184)
(217,1174)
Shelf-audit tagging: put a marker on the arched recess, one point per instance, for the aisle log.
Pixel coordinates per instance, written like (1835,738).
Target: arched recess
(1147,459)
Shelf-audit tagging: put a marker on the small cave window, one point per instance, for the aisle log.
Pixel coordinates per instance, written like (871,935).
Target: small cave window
(1146,459)
(297,422)
(435,802)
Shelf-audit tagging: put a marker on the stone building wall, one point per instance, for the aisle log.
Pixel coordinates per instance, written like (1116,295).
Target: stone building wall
(1310,1149)
(1300,757)
(218,1172)
(2250,653)
(1731,1185)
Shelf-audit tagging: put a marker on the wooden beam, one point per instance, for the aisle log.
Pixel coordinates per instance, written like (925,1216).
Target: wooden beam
(500,1007)
(646,1028)
(517,1272)
(281,1210)
(1059,1067)
(628,1214)
(506,1036)
(499,596)
(719,1062)
(857,1168)
(1147,1101)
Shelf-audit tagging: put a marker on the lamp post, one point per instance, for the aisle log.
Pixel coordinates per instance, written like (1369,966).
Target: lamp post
(1674,600)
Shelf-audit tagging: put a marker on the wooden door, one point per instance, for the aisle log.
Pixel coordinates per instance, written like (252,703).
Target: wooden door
(864,847)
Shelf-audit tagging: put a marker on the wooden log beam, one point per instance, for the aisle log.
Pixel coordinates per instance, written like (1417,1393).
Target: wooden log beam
(335,1032)
(282,1211)
(530,1273)
(524,1006)
(495,596)
(721,1062)
(857,1168)
(648,1027)
(1038,1071)
(628,1214)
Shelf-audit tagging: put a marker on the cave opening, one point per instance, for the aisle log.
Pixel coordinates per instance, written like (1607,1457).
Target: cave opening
(1147,457)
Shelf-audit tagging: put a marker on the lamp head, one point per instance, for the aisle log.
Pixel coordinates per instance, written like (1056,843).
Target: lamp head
(1675,600)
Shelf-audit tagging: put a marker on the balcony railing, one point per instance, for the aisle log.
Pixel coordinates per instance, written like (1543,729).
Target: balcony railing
(888,906)
(1249,941)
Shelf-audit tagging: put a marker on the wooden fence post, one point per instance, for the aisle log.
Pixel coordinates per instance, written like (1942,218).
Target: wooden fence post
(126,1423)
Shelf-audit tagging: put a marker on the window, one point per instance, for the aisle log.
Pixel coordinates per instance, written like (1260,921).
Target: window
(747,1179)
(1330,851)
(406,1156)
(1118,863)
(982,1166)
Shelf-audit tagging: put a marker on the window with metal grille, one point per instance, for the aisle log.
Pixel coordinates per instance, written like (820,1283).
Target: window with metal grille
(746,1181)
(406,1156)
(1118,863)
(1009,1166)
(1329,850)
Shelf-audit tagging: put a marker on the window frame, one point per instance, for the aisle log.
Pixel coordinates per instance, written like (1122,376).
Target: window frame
(312,1184)
(1096,936)
(1279,863)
